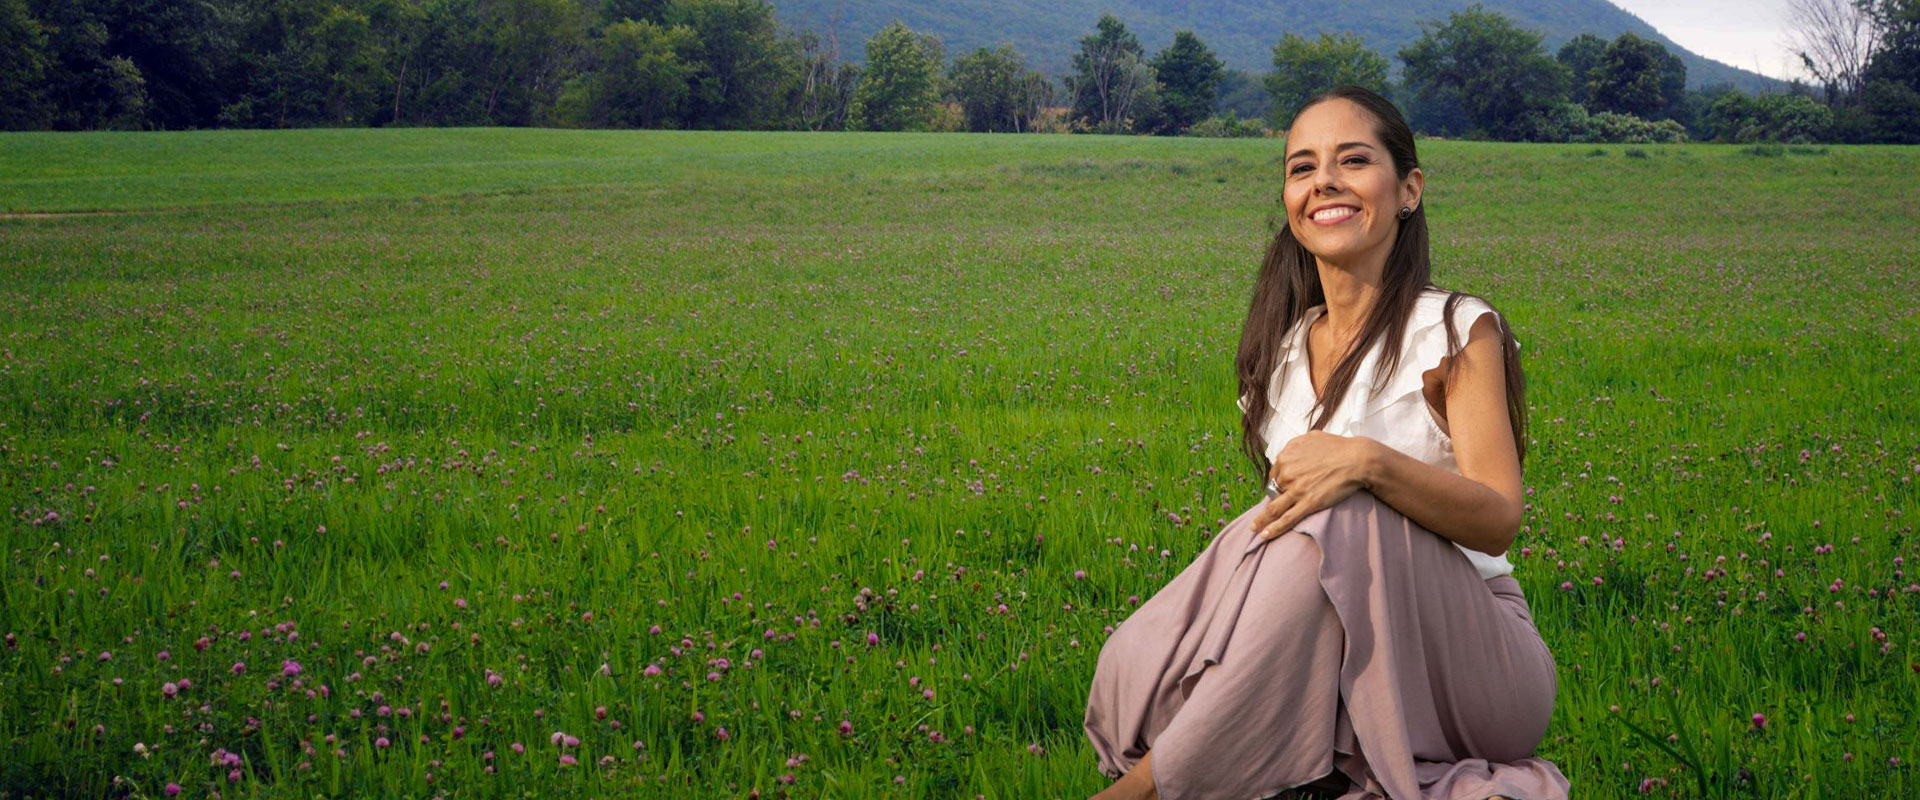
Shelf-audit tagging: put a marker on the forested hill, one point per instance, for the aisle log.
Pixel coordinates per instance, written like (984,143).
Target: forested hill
(1242,32)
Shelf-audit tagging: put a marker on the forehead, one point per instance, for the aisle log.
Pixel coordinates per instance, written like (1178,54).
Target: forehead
(1328,124)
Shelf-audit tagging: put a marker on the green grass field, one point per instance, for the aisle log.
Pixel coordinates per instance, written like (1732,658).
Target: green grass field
(379,463)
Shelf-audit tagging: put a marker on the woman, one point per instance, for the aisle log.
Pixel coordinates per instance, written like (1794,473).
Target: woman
(1357,632)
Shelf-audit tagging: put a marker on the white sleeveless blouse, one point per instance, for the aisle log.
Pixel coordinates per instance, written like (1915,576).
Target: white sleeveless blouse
(1396,414)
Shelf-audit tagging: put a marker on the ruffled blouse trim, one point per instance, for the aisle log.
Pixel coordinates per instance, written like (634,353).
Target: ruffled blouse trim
(1423,347)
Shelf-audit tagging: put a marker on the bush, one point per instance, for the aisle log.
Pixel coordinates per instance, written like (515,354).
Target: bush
(1851,125)
(1790,118)
(1230,126)
(947,118)
(1629,129)
(1895,112)
(1117,127)
(1050,120)
(1570,122)
(1560,122)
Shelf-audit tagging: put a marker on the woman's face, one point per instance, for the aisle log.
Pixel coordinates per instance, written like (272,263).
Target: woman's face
(1343,200)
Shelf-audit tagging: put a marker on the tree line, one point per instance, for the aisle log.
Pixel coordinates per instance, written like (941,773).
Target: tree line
(730,64)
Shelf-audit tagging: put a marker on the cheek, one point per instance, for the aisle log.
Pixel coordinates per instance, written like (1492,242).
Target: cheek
(1297,202)
(1386,193)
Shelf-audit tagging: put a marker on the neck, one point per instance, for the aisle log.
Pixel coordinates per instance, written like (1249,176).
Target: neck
(1351,291)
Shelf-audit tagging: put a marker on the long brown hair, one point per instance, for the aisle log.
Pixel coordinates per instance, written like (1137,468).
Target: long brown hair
(1289,284)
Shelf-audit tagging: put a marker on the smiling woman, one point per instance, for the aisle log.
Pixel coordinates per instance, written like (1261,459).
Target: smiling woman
(1358,630)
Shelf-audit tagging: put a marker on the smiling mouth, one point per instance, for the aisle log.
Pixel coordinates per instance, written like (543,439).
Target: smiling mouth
(1335,216)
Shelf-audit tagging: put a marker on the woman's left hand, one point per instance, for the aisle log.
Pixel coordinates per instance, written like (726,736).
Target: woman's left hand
(1314,471)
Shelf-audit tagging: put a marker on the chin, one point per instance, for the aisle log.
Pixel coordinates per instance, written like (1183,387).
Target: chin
(1340,254)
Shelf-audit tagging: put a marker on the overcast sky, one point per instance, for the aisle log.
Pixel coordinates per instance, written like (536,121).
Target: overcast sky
(1749,34)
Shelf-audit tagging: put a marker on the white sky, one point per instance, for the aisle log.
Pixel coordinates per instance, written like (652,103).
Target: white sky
(1750,34)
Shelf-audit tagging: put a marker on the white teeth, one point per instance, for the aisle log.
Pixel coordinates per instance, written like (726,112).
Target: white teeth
(1333,213)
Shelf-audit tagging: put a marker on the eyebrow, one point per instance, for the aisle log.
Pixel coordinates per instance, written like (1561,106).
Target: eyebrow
(1337,148)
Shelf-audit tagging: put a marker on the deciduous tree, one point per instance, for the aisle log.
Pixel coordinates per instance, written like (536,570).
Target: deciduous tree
(1493,69)
(1303,68)
(1189,76)
(900,82)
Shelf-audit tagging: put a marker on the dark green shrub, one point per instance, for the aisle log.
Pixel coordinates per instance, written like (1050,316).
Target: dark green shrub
(1230,126)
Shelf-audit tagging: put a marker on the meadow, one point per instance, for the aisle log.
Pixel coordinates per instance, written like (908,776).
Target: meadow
(531,463)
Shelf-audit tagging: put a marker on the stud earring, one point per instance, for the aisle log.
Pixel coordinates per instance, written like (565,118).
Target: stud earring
(1405,212)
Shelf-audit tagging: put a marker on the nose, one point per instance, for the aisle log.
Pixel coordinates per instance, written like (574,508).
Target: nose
(1323,182)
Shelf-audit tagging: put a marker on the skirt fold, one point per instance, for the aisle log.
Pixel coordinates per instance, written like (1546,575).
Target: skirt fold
(1359,646)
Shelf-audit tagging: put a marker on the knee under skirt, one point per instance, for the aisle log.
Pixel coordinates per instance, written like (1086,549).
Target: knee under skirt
(1360,652)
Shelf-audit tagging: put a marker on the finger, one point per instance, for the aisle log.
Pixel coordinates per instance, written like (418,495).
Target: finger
(1295,512)
(1272,529)
(1270,508)
(1280,527)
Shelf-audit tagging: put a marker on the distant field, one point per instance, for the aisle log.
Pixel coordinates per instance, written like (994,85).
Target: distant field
(418,463)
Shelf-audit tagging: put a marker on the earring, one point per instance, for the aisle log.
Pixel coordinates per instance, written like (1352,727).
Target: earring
(1405,212)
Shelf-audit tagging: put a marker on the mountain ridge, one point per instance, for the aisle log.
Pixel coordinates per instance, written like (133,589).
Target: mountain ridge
(1241,32)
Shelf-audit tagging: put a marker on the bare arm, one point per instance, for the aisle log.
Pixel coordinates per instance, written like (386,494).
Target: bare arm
(1481,508)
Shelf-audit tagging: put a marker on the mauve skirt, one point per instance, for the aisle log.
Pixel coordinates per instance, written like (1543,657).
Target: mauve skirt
(1360,653)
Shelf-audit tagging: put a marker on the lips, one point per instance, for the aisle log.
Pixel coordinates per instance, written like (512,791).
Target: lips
(1353,211)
